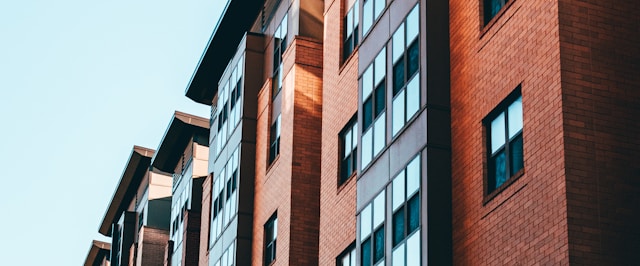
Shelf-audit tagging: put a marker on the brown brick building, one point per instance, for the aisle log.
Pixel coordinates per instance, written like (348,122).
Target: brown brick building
(411,132)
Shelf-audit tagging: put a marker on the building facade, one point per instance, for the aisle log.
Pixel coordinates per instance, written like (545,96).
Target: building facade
(409,132)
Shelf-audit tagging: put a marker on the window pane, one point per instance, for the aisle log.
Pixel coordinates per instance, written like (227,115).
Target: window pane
(366,252)
(365,222)
(517,159)
(499,175)
(380,133)
(284,28)
(378,244)
(367,145)
(398,113)
(347,144)
(355,136)
(515,117)
(367,16)
(398,76)
(349,23)
(413,176)
(345,260)
(413,250)
(398,227)
(413,24)
(398,43)
(413,58)
(380,100)
(378,209)
(367,113)
(413,213)
(356,18)
(497,133)
(379,6)
(413,97)
(367,82)
(380,66)
(398,191)
(398,256)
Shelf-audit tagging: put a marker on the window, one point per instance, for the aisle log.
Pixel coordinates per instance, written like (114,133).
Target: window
(224,205)
(349,149)
(270,236)
(373,109)
(347,257)
(491,8)
(229,105)
(372,232)
(406,215)
(406,63)
(140,219)
(371,11)
(504,126)
(351,21)
(274,149)
(227,258)
(279,46)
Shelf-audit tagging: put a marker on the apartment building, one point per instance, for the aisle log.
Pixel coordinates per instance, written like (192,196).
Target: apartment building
(544,107)
(183,152)
(137,218)
(98,254)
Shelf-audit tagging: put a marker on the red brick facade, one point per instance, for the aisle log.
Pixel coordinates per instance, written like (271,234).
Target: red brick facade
(152,247)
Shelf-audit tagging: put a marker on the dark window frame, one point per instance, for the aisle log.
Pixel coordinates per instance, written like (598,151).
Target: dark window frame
(347,252)
(350,41)
(488,13)
(274,139)
(269,254)
(280,44)
(511,176)
(350,127)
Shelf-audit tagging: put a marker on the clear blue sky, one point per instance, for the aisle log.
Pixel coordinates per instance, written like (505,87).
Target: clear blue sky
(81,82)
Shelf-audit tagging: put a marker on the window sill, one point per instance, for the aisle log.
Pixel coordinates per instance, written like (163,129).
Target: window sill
(272,164)
(345,62)
(490,196)
(484,28)
(346,182)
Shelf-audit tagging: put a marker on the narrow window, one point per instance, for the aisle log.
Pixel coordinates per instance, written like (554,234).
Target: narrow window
(371,11)
(270,236)
(504,144)
(349,149)
(373,109)
(372,236)
(274,149)
(491,8)
(350,32)
(279,46)
(347,257)
(405,204)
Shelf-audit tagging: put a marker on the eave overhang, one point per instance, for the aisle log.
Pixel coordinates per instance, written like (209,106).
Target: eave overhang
(176,138)
(236,19)
(132,175)
(98,249)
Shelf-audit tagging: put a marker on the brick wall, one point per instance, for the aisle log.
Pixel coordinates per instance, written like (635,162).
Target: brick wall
(191,239)
(340,102)
(600,52)
(205,220)
(290,185)
(151,248)
(526,223)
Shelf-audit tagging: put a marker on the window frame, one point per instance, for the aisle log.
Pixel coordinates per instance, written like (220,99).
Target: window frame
(280,44)
(274,142)
(350,40)
(373,229)
(272,223)
(501,108)
(350,127)
(377,112)
(349,251)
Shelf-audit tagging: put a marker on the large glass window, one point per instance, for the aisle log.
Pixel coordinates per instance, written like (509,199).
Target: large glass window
(372,232)
(279,46)
(225,196)
(373,109)
(350,33)
(505,147)
(406,215)
(406,65)
(270,236)
(274,148)
(349,149)
(491,8)
(229,106)
(371,11)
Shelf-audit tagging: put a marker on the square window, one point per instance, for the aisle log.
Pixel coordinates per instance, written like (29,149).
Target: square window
(504,142)
(270,236)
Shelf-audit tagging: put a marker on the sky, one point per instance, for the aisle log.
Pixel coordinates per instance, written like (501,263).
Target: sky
(81,82)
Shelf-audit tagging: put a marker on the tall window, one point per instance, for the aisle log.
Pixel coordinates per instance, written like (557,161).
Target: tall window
(351,21)
(229,105)
(504,127)
(406,63)
(274,149)
(349,149)
(372,232)
(406,215)
(491,8)
(225,196)
(373,109)
(279,46)
(270,236)
(371,11)
(347,257)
